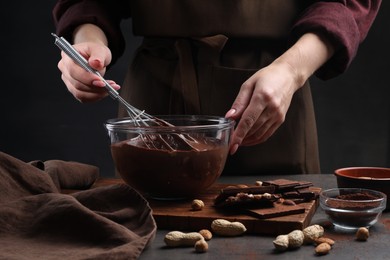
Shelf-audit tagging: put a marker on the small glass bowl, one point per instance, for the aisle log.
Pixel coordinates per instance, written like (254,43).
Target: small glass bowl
(352,208)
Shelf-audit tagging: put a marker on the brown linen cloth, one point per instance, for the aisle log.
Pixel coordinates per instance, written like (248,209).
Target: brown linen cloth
(39,222)
(68,174)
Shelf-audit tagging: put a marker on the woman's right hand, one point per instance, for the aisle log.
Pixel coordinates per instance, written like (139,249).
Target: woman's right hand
(86,86)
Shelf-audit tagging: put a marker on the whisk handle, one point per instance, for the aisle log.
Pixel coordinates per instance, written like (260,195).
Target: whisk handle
(66,47)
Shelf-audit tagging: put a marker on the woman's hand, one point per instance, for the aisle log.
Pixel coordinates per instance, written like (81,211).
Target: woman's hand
(262,104)
(86,86)
(263,100)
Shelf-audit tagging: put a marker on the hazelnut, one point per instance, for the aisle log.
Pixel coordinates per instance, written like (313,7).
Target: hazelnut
(362,234)
(197,205)
(201,246)
(259,183)
(206,234)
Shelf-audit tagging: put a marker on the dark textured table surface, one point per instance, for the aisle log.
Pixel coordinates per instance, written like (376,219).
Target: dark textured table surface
(261,247)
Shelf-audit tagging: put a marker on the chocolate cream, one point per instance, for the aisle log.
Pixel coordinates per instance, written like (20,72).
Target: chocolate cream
(153,169)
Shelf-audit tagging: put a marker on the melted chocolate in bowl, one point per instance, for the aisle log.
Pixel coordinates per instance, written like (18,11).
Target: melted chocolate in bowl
(165,174)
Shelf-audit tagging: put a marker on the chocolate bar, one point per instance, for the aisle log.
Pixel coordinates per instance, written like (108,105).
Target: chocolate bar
(252,195)
(284,185)
(249,200)
(233,191)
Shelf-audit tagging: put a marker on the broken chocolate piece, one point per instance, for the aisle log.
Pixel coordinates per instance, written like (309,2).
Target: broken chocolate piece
(291,195)
(281,183)
(227,192)
(300,196)
(284,185)
(296,191)
(277,211)
(248,200)
(308,194)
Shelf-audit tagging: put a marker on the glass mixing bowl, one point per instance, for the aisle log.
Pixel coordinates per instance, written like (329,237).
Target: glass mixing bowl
(178,161)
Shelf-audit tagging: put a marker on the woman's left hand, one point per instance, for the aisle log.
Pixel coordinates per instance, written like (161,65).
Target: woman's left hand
(261,104)
(263,100)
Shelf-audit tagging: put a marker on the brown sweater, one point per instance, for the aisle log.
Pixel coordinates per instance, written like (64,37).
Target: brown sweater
(346,23)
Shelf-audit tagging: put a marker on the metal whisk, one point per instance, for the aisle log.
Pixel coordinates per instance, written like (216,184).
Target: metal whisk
(139,117)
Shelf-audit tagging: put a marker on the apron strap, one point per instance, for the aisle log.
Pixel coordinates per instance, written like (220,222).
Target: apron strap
(185,81)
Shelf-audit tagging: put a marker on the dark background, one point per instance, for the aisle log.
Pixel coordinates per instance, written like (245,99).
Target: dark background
(42,120)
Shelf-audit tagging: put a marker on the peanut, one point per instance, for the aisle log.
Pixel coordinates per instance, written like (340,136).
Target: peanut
(197,205)
(206,234)
(362,234)
(295,239)
(177,238)
(312,232)
(224,227)
(201,246)
(322,249)
(281,243)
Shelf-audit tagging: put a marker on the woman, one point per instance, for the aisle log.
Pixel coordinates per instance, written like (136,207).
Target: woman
(247,60)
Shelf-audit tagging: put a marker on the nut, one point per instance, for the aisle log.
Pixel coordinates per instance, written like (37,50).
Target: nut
(322,249)
(312,232)
(295,239)
(201,246)
(288,202)
(197,205)
(259,183)
(267,196)
(206,234)
(177,238)
(362,234)
(281,243)
(257,196)
(321,240)
(224,227)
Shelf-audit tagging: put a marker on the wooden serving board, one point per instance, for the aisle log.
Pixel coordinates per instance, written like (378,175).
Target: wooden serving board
(178,215)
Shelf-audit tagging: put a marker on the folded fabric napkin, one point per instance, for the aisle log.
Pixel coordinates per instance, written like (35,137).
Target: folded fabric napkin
(37,221)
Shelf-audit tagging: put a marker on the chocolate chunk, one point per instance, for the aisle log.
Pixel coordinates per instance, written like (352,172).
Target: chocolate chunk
(284,185)
(233,196)
(227,192)
(277,211)
(281,183)
(291,195)
(308,194)
(241,200)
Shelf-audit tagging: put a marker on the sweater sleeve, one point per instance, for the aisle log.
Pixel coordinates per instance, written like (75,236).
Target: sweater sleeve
(345,23)
(68,14)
